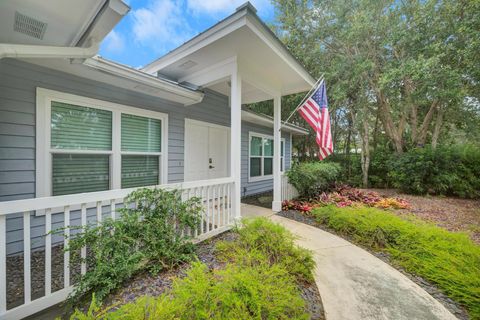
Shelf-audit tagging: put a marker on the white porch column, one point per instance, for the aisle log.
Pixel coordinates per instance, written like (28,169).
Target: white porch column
(235,138)
(277,185)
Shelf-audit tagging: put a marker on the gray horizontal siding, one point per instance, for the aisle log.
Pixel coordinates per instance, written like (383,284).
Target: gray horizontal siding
(18,83)
(250,188)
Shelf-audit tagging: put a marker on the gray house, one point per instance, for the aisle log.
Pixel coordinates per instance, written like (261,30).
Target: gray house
(79,132)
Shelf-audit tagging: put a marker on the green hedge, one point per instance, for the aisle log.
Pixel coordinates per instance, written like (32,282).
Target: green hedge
(450,260)
(310,178)
(451,171)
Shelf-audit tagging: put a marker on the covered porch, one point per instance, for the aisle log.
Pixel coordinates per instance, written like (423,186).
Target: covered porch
(241,58)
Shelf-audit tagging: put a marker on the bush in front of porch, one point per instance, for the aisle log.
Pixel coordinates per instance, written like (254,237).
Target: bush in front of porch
(312,178)
(147,236)
(259,281)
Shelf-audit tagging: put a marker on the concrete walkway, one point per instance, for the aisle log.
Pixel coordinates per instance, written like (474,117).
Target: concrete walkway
(353,283)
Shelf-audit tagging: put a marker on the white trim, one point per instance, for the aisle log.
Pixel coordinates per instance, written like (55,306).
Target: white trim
(263,136)
(268,121)
(44,151)
(128,73)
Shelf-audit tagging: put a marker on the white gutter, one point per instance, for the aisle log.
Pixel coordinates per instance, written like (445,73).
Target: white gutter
(33,51)
(138,76)
(268,121)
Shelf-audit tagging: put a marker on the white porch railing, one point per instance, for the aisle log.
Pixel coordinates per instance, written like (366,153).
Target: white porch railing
(218,216)
(289,192)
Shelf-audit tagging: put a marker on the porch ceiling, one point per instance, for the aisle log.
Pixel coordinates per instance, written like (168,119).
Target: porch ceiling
(264,63)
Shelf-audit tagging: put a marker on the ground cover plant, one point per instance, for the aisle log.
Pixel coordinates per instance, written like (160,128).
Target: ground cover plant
(450,260)
(259,281)
(145,237)
(345,196)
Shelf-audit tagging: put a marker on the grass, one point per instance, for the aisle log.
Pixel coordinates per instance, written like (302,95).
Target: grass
(450,260)
(259,281)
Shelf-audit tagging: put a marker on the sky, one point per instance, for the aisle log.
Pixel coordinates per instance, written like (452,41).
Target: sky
(154,27)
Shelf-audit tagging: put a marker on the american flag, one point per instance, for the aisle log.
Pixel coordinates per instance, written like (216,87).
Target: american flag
(315,112)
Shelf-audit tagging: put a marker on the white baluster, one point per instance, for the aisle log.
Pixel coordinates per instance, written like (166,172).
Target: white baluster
(99,212)
(83,251)
(112,209)
(48,251)
(27,291)
(66,254)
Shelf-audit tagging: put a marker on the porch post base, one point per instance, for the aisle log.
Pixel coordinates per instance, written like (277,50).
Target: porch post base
(276,206)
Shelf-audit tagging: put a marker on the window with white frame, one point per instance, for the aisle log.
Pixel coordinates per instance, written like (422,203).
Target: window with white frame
(88,145)
(261,156)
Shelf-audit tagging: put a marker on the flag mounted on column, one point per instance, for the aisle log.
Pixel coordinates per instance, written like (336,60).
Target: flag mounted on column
(314,110)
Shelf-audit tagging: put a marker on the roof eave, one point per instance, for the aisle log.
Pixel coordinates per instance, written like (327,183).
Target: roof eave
(190,96)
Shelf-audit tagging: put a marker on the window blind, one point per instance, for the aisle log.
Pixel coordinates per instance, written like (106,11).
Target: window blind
(139,170)
(80,128)
(77,173)
(141,134)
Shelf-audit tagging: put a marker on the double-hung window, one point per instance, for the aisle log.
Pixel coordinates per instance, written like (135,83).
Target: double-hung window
(87,145)
(261,156)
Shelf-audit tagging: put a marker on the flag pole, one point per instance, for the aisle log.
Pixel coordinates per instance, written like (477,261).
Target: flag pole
(319,81)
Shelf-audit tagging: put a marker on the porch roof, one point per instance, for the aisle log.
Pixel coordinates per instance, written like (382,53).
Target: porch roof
(265,63)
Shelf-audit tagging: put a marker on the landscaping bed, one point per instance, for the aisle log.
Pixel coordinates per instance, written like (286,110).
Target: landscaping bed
(453,214)
(236,259)
(449,263)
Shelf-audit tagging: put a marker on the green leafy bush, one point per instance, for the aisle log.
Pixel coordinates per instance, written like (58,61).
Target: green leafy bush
(311,178)
(451,170)
(145,237)
(451,260)
(261,241)
(258,282)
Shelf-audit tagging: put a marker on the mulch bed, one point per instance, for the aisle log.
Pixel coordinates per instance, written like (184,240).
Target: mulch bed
(453,214)
(140,285)
(451,305)
(260,199)
(155,285)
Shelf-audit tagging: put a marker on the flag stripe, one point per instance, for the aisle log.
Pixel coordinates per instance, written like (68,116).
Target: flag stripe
(315,112)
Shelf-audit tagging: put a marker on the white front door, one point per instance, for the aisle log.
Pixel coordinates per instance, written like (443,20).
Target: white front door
(206,150)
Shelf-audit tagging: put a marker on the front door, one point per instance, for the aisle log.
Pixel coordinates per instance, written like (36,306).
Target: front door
(206,150)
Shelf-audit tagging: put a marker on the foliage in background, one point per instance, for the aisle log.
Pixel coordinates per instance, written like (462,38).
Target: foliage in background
(442,171)
(450,260)
(145,237)
(260,241)
(346,196)
(259,281)
(399,75)
(447,170)
(312,178)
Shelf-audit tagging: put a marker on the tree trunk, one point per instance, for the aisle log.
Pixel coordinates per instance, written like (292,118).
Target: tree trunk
(422,135)
(438,127)
(365,155)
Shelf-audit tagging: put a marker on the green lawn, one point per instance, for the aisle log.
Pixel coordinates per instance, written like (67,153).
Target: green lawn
(450,260)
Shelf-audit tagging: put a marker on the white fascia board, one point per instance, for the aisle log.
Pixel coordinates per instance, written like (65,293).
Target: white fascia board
(218,31)
(212,74)
(143,78)
(267,121)
(33,51)
(268,38)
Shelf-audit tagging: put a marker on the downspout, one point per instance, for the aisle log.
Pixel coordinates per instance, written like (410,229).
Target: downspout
(32,51)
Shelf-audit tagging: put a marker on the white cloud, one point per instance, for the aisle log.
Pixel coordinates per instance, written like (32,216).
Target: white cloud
(114,42)
(223,6)
(161,25)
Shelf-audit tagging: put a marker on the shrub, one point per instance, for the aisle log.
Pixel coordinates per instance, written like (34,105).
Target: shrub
(451,260)
(453,170)
(258,282)
(145,237)
(261,241)
(311,178)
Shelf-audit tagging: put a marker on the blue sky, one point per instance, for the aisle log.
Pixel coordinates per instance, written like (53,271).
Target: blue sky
(154,27)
